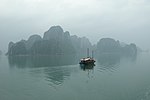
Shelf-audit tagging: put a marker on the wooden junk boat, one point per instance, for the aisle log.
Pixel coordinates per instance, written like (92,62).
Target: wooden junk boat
(88,60)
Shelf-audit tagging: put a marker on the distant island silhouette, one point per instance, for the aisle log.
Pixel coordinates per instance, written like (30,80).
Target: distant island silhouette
(56,41)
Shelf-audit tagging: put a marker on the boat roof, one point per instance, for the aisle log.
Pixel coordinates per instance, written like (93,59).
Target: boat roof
(88,58)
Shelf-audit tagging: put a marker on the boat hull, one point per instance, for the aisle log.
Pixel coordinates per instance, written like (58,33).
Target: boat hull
(87,62)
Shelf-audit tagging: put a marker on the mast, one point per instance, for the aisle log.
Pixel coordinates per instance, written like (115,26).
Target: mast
(92,54)
(87,52)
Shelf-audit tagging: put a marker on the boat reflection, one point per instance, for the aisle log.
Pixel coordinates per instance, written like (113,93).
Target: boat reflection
(87,66)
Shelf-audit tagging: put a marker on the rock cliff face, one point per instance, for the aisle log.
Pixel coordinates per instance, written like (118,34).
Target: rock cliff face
(81,44)
(18,48)
(54,33)
(32,39)
(111,46)
(54,41)
(58,41)
(130,49)
(108,45)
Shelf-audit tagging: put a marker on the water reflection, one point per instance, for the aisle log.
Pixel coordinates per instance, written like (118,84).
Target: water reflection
(56,75)
(54,67)
(42,61)
(108,62)
(17,61)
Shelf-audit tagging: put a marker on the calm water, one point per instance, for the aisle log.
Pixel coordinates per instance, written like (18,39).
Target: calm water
(61,78)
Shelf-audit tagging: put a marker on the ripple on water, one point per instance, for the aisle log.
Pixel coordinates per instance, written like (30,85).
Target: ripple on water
(146,94)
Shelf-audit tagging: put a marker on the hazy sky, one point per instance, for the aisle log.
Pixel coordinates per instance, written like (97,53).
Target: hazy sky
(124,20)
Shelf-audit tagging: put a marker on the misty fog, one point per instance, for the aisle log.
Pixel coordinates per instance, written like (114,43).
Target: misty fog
(80,49)
(124,20)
